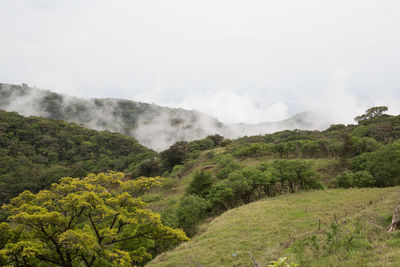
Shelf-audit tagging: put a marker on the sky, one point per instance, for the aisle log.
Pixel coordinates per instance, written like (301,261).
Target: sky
(240,61)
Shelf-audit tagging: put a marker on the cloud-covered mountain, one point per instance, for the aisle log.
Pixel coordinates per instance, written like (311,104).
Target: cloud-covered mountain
(154,126)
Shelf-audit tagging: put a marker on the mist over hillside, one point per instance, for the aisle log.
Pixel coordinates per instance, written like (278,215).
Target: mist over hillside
(154,126)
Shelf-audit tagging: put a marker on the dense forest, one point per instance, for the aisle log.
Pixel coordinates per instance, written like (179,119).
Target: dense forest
(203,179)
(35,152)
(156,127)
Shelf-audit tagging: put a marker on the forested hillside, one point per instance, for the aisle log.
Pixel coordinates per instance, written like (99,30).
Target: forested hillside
(245,170)
(204,179)
(154,126)
(35,152)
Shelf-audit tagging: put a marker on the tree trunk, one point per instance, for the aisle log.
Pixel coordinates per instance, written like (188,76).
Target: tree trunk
(395,225)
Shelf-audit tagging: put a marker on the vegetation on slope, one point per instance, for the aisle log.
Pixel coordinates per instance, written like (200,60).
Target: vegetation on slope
(244,170)
(207,177)
(35,152)
(155,126)
(336,227)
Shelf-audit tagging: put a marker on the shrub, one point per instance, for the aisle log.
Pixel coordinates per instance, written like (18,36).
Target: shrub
(203,144)
(175,154)
(363,179)
(200,184)
(384,165)
(190,211)
(348,179)
(221,196)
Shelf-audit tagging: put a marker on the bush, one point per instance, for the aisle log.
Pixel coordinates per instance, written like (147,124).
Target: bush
(174,155)
(226,165)
(221,196)
(203,144)
(296,175)
(177,171)
(363,179)
(383,164)
(359,179)
(365,144)
(200,184)
(240,186)
(190,211)
(359,162)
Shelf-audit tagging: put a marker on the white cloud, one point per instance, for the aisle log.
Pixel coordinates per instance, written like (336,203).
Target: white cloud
(275,54)
(231,107)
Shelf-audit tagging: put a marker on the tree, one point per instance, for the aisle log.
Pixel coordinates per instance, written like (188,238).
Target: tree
(190,211)
(216,138)
(371,113)
(384,165)
(175,154)
(202,144)
(294,175)
(201,184)
(95,221)
(221,196)
(358,179)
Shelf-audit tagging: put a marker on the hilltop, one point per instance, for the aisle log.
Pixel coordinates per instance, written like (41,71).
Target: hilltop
(154,126)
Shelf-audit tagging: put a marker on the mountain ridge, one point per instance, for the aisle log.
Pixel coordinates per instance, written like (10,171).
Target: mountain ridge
(154,126)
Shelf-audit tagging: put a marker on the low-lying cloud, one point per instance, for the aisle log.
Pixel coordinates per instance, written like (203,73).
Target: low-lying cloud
(224,112)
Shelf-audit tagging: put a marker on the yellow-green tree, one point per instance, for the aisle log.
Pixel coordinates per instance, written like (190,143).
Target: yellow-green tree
(98,220)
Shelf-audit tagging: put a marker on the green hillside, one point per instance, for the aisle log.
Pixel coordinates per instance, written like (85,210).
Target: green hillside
(35,152)
(154,126)
(244,170)
(286,226)
(248,169)
(288,194)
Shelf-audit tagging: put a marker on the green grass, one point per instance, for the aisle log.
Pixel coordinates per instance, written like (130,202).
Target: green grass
(177,187)
(281,226)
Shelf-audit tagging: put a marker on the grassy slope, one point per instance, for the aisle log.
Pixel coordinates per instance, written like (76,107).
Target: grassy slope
(264,228)
(175,189)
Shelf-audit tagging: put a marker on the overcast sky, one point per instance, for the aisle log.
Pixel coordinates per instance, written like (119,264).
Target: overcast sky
(249,60)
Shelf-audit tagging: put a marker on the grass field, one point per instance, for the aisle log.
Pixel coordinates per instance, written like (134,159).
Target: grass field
(298,226)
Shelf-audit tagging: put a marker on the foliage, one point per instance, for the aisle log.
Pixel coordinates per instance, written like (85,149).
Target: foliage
(225,165)
(147,167)
(221,196)
(35,152)
(200,184)
(364,145)
(203,144)
(296,175)
(281,262)
(270,228)
(175,155)
(190,211)
(371,113)
(247,184)
(348,179)
(217,139)
(383,164)
(96,220)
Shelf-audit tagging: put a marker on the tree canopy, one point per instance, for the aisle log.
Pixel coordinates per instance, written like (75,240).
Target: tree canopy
(372,113)
(35,152)
(98,220)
